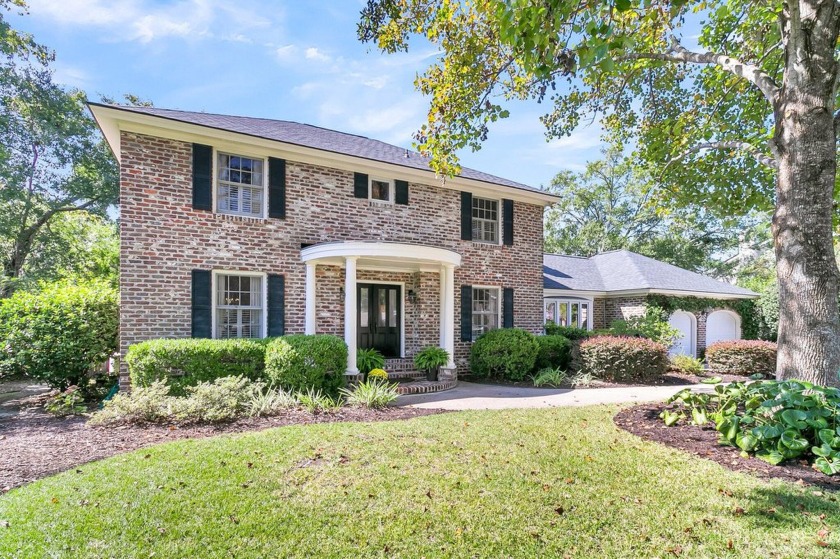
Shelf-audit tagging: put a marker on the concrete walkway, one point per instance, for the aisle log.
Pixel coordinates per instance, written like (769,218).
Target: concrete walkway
(471,396)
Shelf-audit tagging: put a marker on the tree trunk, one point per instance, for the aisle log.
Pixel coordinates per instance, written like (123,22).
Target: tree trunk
(809,321)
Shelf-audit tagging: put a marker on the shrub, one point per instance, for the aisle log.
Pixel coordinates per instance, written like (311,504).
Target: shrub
(555,351)
(378,374)
(60,333)
(651,325)
(550,377)
(569,332)
(270,402)
(687,364)
(508,353)
(369,359)
(775,421)
(303,362)
(582,379)
(373,394)
(69,402)
(143,404)
(742,357)
(622,359)
(314,401)
(187,362)
(225,399)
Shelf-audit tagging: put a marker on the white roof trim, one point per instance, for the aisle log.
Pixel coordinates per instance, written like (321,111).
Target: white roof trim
(380,255)
(112,121)
(632,292)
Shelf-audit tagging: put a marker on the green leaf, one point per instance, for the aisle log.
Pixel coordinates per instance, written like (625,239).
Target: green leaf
(827,466)
(794,418)
(712,380)
(746,441)
(770,456)
(698,416)
(793,440)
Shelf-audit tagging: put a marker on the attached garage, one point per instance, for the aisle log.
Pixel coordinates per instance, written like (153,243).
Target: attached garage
(721,326)
(686,323)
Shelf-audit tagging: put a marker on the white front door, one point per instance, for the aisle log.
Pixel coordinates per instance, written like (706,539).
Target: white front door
(685,344)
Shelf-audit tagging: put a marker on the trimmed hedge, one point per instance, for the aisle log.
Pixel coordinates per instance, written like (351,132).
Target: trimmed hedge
(554,351)
(742,357)
(623,359)
(188,362)
(304,362)
(569,332)
(506,353)
(59,333)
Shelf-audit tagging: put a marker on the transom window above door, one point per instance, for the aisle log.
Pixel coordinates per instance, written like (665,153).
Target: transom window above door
(568,312)
(240,186)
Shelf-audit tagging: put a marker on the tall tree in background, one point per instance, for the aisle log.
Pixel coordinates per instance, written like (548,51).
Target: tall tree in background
(612,205)
(753,107)
(52,158)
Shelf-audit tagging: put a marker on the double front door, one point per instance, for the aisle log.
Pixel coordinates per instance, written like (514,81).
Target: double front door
(380,317)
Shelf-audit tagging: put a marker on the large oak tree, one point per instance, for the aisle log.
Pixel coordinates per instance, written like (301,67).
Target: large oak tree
(747,119)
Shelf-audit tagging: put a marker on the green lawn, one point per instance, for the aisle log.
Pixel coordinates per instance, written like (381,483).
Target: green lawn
(523,483)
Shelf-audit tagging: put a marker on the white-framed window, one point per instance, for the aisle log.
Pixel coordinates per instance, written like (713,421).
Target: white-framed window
(568,312)
(239,305)
(485,220)
(485,310)
(380,190)
(240,185)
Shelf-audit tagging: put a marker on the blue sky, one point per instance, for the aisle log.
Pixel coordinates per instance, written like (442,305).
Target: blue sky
(281,59)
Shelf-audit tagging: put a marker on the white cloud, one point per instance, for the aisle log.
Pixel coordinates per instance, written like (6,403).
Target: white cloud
(144,21)
(313,53)
(287,53)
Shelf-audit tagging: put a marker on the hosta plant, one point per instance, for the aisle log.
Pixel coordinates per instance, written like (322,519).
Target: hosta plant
(772,420)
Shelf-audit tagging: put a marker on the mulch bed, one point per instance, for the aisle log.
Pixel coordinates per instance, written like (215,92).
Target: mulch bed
(35,444)
(643,421)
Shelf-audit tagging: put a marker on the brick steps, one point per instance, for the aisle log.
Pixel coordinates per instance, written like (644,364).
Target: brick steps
(425,386)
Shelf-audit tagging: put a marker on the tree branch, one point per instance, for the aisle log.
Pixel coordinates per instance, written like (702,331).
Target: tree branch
(762,158)
(678,53)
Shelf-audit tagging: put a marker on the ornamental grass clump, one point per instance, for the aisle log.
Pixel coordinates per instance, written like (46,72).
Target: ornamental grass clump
(742,357)
(374,394)
(623,359)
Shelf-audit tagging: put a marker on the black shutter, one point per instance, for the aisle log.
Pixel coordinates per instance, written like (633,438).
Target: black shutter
(466,313)
(202,306)
(202,177)
(401,192)
(360,185)
(507,221)
(466,216)
(276,187)
(507,308)
(276,305)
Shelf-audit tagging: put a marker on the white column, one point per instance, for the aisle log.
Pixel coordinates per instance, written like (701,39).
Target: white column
(449,315)
(350,319)
(442,307)
(311,286)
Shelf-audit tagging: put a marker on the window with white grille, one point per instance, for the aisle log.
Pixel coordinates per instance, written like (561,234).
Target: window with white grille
(240,185)
(485,220)
(239,306)
(485,310)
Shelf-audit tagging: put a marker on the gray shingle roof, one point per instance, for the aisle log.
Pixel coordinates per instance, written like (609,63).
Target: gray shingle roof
(622,270)
(315,137)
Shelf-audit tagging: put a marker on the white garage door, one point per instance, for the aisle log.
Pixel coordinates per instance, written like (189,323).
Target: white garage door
(722,326)
(684,322)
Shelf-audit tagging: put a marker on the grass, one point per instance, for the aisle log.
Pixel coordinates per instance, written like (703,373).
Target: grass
(519,483)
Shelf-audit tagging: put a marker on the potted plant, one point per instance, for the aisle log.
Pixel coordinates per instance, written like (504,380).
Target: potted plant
(431,359)
(368,360)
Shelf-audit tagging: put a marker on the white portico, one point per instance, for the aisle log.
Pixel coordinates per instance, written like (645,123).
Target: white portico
(369,310)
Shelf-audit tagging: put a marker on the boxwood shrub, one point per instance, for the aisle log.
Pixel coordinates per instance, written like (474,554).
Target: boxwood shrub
(623,359)
(554,351)
(742,357)
(59,333)
(507,353)
(188,362)
(307,362)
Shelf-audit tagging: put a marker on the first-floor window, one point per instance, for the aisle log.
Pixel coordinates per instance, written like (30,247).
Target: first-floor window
(239,306)
(485,310)
(565,312)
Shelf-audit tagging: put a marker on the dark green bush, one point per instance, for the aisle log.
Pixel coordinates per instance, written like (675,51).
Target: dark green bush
(569,332)
(507,353)
(300,362)
(554,352)
(742,357)
(58,334)
(188,362)
(623,359)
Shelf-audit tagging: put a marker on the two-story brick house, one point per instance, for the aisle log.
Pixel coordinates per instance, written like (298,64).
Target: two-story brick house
(245,227)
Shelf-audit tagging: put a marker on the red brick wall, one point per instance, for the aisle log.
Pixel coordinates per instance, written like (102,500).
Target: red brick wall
(163,239)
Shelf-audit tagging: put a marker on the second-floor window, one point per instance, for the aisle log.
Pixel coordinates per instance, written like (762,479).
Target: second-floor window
(381,190)
(485,220)
(240,188)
